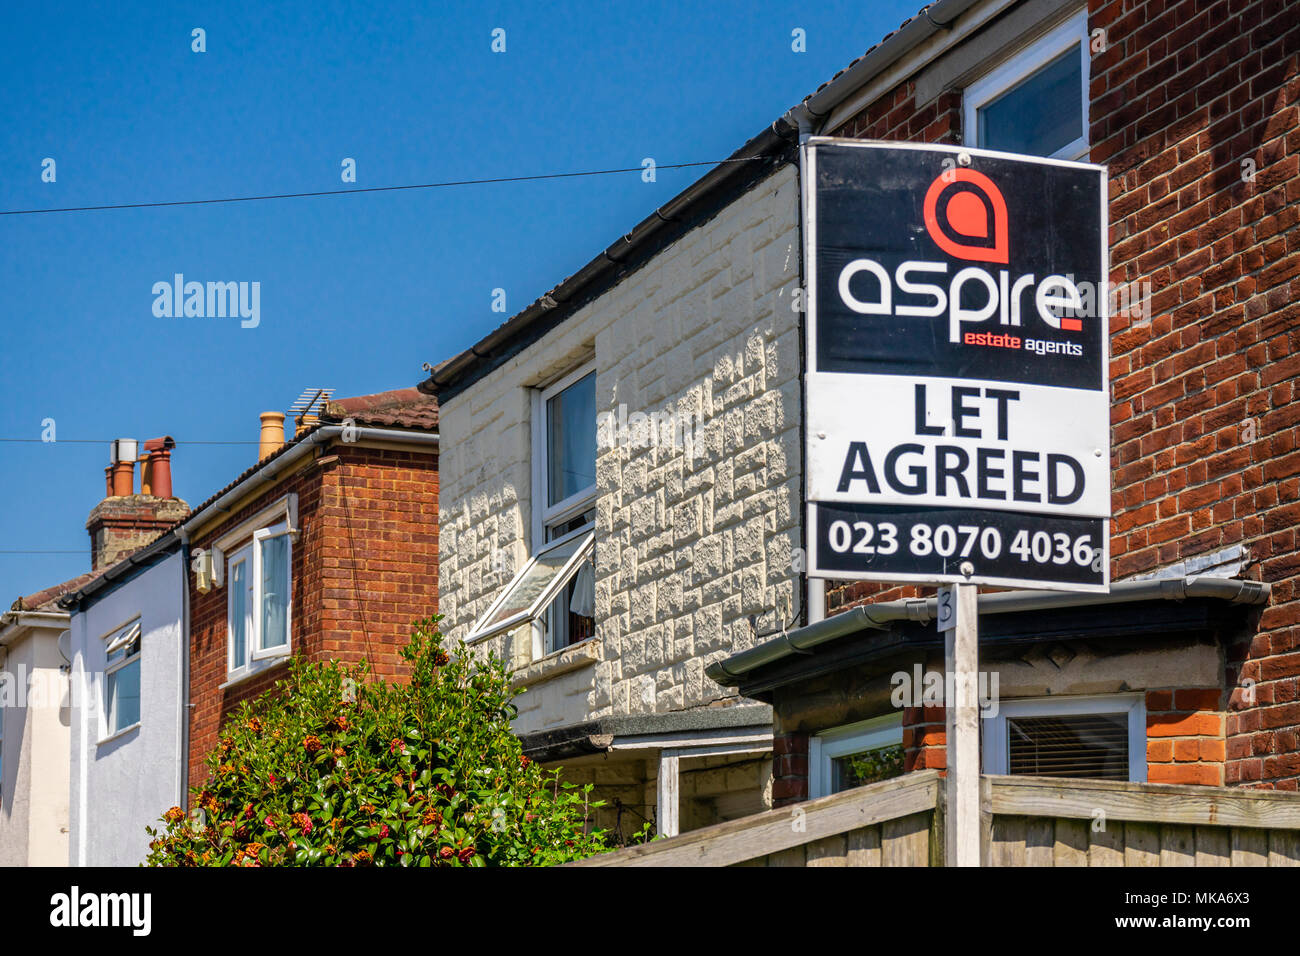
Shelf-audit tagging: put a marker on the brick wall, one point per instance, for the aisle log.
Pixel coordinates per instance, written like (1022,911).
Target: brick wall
(1187,98)
(1205,409)
(1185,742)
(364,567)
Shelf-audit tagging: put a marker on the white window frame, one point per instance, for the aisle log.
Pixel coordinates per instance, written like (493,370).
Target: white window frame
(121,636)
(482,631)
(996,753)
(546,515)
(256,656)
(1020,67)
(824,748)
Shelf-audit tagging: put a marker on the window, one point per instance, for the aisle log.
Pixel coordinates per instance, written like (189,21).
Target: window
(122,679)
(555,591)
(566,448)
(855,755)
(258,598)
(1102,738)
(254,562)
(1036,102)
(551,584)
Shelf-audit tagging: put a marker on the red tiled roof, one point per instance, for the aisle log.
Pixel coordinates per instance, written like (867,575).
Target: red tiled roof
(44,600)
(400,408)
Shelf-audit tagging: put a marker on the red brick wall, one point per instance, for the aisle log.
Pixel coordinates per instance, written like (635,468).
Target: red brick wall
(1205,411)
(364,567)
(1185,742)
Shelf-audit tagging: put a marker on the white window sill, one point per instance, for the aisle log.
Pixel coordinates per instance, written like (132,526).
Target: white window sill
(259,666)
(566,659)
(119,734)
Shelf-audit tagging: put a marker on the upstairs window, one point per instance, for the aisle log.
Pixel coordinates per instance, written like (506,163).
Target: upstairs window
(1035,103)
(254,562)
(554,592)
(122,679)
(1098,738)
(258,604)
(566,448)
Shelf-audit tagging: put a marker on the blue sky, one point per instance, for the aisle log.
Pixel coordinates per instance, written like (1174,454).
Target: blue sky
(356,291)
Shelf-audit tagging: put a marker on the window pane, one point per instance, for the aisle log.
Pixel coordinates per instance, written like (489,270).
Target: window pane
(1084,745)
(529,588)
(869,766)
(1041,114)
(571,440)
(122,692)
(275,591)
(239,614)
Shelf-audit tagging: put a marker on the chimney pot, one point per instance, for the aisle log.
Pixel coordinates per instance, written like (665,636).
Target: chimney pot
(122,450)
(272,437)
(124,478)
(108,481)
(160,472)
(146,478)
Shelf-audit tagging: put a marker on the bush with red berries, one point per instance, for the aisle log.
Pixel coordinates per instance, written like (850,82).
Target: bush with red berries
(333,768)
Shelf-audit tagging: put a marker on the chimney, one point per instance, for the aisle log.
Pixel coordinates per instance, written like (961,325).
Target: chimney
(272,437)
(125,521)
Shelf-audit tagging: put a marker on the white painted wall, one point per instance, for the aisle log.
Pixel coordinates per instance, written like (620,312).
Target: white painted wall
(687,547)
(120,786)
(34,785)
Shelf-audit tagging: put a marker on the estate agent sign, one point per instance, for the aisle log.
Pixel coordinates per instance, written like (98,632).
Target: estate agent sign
(958,405)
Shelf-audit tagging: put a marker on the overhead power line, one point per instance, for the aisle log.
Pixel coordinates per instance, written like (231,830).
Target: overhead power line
(374,189)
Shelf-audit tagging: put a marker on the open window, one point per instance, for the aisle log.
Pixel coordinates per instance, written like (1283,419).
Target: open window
(1036,102)
(855,755)
(122,679)
(559,579)
(1099,738)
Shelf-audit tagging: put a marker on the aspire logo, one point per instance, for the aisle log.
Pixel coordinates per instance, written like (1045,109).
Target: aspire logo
(966,216)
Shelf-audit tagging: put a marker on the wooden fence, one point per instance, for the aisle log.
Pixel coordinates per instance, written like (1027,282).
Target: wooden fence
(1027,821)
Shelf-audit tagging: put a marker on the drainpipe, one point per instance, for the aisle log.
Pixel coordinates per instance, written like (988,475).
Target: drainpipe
(183,731)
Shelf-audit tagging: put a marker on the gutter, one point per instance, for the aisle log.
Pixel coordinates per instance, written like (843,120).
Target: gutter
(813,112)
(13,621)
(730,671)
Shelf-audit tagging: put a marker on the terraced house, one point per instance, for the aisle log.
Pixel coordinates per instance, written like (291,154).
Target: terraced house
(320,548)
(622,498)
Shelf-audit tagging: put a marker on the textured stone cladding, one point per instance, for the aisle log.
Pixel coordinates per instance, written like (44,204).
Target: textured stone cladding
(697,516)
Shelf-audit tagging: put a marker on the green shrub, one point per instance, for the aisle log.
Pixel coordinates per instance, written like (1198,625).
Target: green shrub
(335,769)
